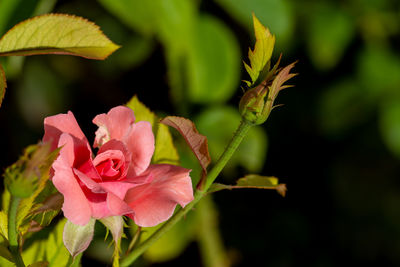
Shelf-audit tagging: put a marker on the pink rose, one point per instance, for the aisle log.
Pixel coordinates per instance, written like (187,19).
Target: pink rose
(119,180)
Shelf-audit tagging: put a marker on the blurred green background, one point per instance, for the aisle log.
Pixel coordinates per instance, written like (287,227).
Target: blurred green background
(335,142)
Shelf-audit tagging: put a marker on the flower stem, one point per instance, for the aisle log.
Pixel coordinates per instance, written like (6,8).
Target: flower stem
(12,231)
(199,194)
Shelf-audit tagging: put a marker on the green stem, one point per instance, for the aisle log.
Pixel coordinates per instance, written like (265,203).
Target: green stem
(237,138)
(212,175)
(12,231)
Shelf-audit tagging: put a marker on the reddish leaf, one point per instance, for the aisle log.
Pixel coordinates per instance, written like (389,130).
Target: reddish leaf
(197,142)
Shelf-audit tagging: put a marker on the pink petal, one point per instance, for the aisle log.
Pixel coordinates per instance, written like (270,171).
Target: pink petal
(140,142)
(55,125)
(76,207)
(155,202)
(117,206)
(113,125)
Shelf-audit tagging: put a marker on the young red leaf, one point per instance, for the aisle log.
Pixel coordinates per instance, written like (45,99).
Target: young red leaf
(3,84)
(196,141)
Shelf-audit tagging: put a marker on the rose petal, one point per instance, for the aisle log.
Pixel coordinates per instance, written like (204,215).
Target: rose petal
(76,207)
(155,202)
(113,125)
(55,125)
(140,142)
(117,206)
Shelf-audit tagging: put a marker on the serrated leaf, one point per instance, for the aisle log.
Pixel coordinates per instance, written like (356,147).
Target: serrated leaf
(196,141)
(262,51)
(77,238)
(56,34)
(277,84)
(3,84)
(37,161)
(165,151)
(253,181)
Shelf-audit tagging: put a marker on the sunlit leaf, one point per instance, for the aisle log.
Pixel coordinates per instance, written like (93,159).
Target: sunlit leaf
(37,162)
(3,84)
(77,238)
(50,249)
(196,141)
(142,113)
(4,224)
(262,51)
(5,253)
(253,181)
(165,151)
(56,34)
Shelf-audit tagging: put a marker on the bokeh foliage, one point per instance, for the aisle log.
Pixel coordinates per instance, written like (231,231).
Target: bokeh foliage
(335,143)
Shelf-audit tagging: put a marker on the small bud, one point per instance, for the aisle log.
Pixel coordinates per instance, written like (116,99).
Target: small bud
(252,105)
(257,103)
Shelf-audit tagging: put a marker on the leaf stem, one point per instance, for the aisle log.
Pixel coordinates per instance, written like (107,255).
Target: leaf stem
(199,194)
(12,231)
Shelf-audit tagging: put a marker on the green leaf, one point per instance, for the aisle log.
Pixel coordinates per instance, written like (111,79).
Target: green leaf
(277,14)
(251,152)
(56,252)
(77,238)
(6,11)
(56,34)
(50,249)
(142,113)
(32,168)
(165,151)
(142,20)
(253,181)
(329,32)
(213,62)
(5,253)
(261,55)
(196,141)
(3,84)
(39,264)
(4,224)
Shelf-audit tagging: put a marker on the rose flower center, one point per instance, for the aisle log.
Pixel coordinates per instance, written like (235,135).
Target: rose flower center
(110,164)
